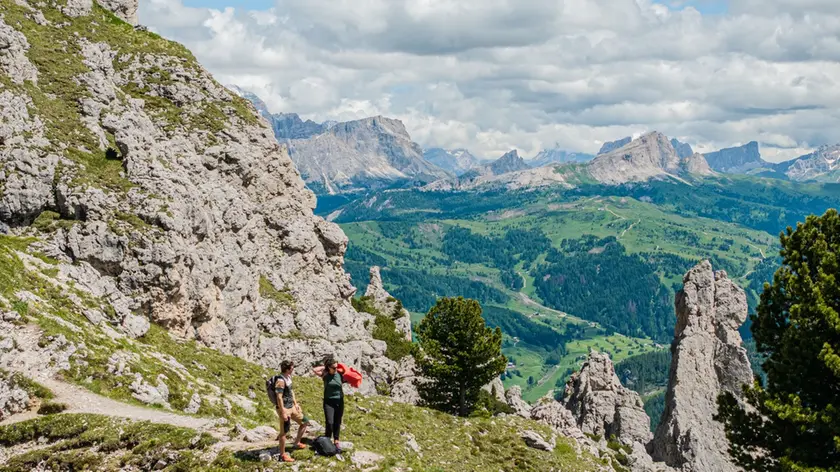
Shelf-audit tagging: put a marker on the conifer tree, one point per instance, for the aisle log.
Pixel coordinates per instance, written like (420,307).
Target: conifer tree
(459,355)
(793,422)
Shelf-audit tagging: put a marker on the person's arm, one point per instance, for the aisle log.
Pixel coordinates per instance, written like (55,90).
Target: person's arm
(280,385)
(318,371)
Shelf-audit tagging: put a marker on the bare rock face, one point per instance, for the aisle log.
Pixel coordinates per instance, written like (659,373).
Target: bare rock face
(708,358)
(496,389)
(602,406)
(175,203)
(513,398)
(650,156)
(386,304)
(126,10)
(554,414)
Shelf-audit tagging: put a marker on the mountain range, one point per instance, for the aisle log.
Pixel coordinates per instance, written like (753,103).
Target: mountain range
(369,153)
(456,161)
(378,152)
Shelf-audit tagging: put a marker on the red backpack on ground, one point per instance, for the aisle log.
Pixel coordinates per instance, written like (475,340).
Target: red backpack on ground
(350,375)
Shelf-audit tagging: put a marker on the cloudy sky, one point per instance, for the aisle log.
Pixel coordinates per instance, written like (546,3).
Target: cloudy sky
(492,75)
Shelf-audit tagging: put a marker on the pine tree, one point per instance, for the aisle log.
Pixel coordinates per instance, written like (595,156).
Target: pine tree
(459,355)
(793,423)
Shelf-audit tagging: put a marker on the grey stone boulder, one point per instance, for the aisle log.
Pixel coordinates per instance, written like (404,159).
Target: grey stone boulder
(535,440)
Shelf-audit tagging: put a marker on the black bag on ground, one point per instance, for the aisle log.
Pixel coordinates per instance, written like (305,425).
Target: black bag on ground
(324,446)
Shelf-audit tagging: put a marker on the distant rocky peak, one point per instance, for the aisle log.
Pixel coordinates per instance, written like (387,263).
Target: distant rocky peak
(613,145)
(255,100)
(379,123)
(736,159)
(683,150)
(509,162)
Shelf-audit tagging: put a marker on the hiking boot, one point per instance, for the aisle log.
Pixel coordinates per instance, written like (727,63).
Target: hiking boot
(300,445)
(286,458)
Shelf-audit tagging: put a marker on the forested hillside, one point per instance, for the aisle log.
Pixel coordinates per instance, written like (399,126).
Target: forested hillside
(563,270)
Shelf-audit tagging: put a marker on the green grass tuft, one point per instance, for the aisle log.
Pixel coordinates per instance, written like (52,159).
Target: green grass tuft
(51,408)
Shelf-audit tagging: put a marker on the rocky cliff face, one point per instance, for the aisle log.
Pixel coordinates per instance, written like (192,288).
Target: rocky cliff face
(708,358)
(602,406)
(290,126)
(610,146)
(822,165)
(736,160)
(650,156)
(509,162)
(388,305)
(456,161)
(683,150)
(164,193)
(369,153)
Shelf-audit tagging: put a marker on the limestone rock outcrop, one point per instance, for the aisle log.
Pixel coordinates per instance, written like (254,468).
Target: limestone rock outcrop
(602,406)
(554,414)
(370,153)
(513,398)
(386,304)
(650,156)
(165,194)
(126,10)
(708,358)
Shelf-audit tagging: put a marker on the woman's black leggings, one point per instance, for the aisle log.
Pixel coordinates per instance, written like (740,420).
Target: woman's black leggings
(333,412)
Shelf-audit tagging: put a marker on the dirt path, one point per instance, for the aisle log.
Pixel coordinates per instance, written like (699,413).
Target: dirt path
(35,364)
(613,213)
(547,376)
(629,228)
(80,400)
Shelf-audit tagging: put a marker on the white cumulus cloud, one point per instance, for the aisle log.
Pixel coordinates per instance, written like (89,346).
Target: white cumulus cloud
(491,75)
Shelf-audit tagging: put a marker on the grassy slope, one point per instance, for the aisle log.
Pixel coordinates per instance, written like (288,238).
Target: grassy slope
(372,423)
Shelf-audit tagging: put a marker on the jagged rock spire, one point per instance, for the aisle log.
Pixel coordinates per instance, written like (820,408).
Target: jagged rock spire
(602,406)
(708,358)
(387,304)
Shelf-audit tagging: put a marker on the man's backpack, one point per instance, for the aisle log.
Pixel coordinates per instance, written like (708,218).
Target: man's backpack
(269,389)
(324,446)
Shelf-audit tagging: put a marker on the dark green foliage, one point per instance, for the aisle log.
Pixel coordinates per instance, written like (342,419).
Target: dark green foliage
(654,407)
(51,408)
(763,273)
(459,355)
(488,405)
(419,290)
(512,280)
(385,329)
(631,298)
(463,245)
(796,425)
(515,324)
(645,372)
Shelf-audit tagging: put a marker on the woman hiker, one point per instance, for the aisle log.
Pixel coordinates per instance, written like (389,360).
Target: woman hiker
(288,409)
(333,397)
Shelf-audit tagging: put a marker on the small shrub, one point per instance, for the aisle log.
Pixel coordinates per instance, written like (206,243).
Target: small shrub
(268,291)
(51,408)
